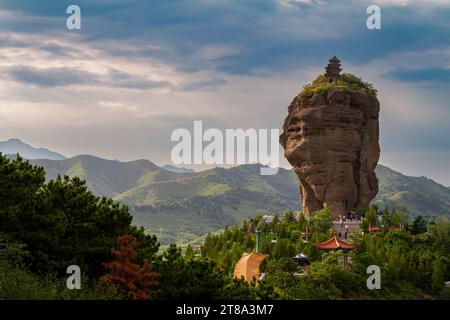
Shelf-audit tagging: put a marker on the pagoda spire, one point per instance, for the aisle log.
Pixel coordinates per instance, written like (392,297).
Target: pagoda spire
(333,69)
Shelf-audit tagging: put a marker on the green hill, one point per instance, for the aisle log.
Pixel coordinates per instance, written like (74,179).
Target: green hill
(420,195)
(183,206)
(103,177)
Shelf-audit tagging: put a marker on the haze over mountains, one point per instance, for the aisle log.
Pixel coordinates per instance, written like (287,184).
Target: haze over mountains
(13,146)
(181,206)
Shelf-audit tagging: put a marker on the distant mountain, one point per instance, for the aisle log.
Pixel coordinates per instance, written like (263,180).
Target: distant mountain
(171,168)
(182,206)
(14,146)
(103,177)
(420,195)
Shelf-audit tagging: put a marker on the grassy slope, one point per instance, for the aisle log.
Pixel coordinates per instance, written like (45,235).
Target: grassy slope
(104,177)
(419,194)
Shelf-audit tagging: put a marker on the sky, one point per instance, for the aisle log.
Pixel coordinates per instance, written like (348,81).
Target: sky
(138,70)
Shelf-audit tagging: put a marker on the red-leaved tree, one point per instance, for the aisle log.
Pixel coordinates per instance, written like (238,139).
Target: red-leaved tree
(133,281)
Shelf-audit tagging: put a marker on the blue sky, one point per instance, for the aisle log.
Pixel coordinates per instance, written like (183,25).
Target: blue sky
(137,70)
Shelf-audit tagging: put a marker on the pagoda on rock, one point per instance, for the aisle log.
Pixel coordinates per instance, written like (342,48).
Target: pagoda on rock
(333,69)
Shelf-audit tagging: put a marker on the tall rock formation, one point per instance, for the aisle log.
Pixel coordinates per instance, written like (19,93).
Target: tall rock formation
(330,137)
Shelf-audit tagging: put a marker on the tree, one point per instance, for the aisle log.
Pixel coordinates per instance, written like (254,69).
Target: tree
(437,278)
(322,221)
(61,222)
(20,186)
(14,254)
(399,217)
(419,225)
(132,280)
(283,248)
(189,254)
(440,233)
(371,216)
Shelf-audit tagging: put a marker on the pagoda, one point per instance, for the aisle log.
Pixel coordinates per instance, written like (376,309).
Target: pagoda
(333,69)
(335,244)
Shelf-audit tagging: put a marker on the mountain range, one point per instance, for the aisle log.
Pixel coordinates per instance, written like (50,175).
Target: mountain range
(182,206)
(13,146)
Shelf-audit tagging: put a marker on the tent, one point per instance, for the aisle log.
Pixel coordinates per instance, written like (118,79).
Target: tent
(249,266)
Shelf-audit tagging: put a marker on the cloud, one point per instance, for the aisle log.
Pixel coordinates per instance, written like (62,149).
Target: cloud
(209,84)
(149,67)
(62,76)
(49,77)
(439,76)
(121,79)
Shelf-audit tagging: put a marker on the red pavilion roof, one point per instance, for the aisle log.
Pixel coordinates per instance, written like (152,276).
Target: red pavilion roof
(377,228)
(374,228)
(335,243)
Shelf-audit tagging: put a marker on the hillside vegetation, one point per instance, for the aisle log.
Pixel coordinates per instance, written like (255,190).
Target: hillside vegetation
(47,226)
(180,207)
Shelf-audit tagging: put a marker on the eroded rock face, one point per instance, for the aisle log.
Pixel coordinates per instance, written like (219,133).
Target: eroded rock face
(331,140)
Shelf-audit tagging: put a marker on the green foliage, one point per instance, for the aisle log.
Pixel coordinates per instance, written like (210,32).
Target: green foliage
(208,200)
(412,266)
(60,222)
(440,232)
(15,254)
(44,227)
(283,248)
(420,195)
(347,82)
(419,225)
(399,217)
(22,284)
(322,220)
(189,254)
(198,278)
(213,199)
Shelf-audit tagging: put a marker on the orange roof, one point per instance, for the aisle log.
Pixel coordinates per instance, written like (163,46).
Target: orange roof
(335,243)
(392,228)
(377,228)
(374,228)
(248,266)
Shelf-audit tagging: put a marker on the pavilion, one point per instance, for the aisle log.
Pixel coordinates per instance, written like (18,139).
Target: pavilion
(335,244)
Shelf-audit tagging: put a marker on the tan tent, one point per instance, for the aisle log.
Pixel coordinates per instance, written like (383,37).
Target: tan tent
(249,266)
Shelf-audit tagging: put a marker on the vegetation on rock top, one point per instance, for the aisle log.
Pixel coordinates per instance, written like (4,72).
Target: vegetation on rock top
(347,82)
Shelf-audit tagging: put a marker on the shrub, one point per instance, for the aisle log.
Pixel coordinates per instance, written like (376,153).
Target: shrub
(347,82)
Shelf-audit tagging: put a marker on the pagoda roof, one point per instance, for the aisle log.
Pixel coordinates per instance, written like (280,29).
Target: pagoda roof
(334,59)
(334,244)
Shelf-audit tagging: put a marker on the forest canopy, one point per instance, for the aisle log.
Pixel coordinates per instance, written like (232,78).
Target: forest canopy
(47,226)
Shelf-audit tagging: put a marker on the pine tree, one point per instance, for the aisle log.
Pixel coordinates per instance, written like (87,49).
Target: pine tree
(437,278)
(189,254)
(132,280)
